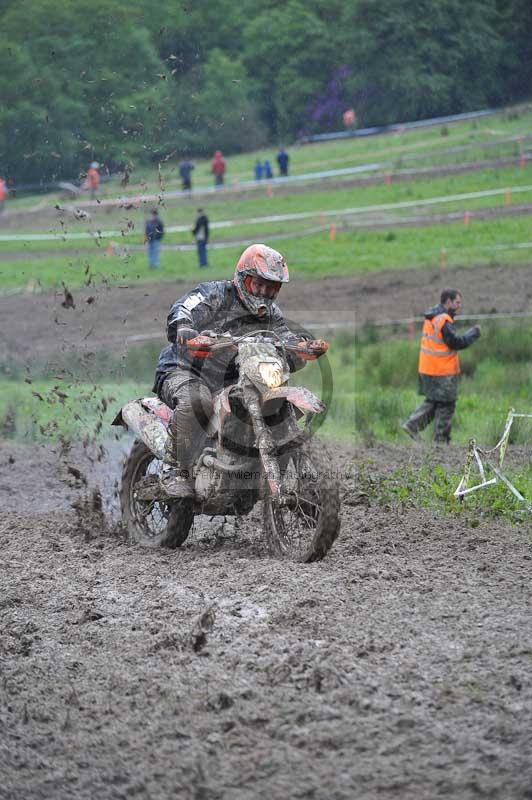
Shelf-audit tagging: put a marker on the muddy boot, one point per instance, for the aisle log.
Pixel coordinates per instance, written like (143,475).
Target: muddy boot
(410,431)
(175,478)
(177,481)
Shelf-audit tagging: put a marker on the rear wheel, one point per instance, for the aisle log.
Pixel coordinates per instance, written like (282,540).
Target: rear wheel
(304,525)
(152,523)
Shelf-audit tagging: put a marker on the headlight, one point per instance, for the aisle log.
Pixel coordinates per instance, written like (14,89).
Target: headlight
(271,374)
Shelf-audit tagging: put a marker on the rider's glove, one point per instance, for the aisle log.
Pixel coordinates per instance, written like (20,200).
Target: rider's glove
(318,346)
(184,334)
(200,342)
(311,350)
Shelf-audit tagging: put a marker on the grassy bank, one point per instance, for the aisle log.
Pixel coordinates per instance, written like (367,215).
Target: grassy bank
(499,241)
(432,486)
(249,209)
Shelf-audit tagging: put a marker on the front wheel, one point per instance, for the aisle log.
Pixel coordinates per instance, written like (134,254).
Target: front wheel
(306,521)
(151,523)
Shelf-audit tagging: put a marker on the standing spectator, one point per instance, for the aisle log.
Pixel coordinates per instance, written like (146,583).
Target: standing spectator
(3,194)
(439,367)
(282,159)
(93,179)
(153,234)
(267,169)
(258,170)
(218,168)
(200,232)
(185,170)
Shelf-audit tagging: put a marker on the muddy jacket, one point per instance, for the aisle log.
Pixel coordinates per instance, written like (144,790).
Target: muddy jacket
(215,306)
(444,388)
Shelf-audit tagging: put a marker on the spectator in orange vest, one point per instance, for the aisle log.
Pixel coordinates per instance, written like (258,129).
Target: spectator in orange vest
(218,168)
(439,367)
(3,194)
(93,179)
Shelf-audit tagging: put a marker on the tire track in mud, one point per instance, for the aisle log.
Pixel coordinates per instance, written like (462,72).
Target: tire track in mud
(397,667)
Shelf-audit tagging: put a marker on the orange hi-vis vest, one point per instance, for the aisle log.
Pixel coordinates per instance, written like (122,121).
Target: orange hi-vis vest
(435,358)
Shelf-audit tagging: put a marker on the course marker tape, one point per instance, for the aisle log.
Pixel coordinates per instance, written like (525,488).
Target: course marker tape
(231,223)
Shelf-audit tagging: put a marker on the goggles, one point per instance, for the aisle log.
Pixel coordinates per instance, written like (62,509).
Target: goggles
(259,287)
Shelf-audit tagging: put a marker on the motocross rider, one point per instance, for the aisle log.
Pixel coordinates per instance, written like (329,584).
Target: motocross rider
(186,383)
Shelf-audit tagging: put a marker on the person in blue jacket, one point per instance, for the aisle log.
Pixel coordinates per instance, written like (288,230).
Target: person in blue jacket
(153,234)
(282,159)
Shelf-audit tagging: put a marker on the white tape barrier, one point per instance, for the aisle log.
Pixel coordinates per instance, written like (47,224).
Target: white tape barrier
(478,454)
(231,223)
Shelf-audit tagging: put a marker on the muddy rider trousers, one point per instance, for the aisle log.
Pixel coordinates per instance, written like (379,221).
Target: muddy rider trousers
(191,401)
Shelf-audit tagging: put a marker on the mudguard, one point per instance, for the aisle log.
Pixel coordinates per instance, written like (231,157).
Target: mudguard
(299,396)
(148,418)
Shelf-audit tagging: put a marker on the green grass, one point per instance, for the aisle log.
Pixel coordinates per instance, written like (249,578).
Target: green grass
(49,410)
(315,256)
(432,486)
(375,385)
(314,201)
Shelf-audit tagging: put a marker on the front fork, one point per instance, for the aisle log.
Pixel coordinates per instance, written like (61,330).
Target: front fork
(265,443)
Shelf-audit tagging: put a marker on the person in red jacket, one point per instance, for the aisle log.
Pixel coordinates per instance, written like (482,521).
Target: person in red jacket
(439,367)
(3,194)
(218,168)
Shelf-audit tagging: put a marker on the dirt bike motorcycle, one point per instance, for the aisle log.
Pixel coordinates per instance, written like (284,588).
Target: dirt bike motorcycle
(258,448)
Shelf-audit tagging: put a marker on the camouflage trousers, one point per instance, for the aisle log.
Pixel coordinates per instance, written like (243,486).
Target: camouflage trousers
(439,411)
(191,401)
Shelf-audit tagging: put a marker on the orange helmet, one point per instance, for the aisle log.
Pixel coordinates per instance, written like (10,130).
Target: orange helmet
(263,262)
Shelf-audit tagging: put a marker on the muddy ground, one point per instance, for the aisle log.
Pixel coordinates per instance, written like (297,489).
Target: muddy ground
(400,666)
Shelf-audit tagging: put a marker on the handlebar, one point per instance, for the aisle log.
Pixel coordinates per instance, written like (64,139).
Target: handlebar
(204,345)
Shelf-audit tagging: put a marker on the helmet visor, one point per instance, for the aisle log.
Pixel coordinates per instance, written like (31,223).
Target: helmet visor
(259,287)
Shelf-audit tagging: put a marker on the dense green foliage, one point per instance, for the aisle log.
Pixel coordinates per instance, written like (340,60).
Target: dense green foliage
(138,82)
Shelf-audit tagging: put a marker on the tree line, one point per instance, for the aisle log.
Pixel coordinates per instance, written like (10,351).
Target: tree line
(124,82)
